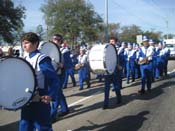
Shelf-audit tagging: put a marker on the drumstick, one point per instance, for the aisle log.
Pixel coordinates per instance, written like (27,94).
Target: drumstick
(36,97)
(27,90)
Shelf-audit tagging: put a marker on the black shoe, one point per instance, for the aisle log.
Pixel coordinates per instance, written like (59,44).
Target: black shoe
(105,107)
(149,90)
(80,89)
(113,89)
(74,85)
(89,86)
(141,91)
(119,100)
(54,120)
(61,114)
(133,80)
(64,87)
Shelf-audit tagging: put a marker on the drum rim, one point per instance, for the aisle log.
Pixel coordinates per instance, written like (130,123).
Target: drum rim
(35,81)
(58,48)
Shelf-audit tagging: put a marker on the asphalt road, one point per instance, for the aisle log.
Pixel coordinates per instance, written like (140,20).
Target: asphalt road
(153,111)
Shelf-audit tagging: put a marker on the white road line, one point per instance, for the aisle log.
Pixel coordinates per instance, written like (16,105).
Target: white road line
(81,100)
(171,71)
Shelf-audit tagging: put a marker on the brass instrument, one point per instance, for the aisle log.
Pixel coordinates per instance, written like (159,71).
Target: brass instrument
(78,66)
(143,61)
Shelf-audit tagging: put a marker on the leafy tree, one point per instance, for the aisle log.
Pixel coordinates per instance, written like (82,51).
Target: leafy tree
(72,18)
(129,33)
(156,36)
(114,29)
(10,20)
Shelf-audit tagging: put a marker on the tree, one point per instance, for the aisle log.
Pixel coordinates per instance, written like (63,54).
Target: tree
(10,20)
(129,33)
(156,36)
(72,18)
(114,29)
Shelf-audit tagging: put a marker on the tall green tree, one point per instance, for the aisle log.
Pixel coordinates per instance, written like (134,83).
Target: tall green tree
(72,18)
(10,20)
(155,35)
(129,33)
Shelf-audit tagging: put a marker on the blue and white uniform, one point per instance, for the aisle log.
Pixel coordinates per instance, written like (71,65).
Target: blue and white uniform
(36,115)
(130,57)
(146,68)
(160,56)
(60,98)
(166,52)
(68,66)
(83,72)
(116,80)
(137,66)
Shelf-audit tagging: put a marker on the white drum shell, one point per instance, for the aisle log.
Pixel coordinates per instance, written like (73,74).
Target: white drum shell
(103,59)
(16,76)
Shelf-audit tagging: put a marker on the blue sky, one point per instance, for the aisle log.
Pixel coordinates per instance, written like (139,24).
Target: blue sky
(148,14)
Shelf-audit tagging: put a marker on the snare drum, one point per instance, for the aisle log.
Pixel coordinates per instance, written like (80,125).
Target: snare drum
(17,82)
(103,59)
(53,51)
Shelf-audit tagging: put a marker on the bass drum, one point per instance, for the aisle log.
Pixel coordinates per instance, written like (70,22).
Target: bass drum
(103,59)
(17,83)
(53,51)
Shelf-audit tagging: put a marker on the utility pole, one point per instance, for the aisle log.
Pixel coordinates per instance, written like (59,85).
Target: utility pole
(106,21)
(167,29)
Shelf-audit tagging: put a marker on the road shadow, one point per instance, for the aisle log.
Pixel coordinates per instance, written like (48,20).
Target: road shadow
(126,123)
(155,92)
(10,127)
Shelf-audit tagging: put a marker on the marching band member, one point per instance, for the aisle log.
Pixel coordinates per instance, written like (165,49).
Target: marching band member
(36,115)
(130,57)
(151,44)
(145,60)
(83,71)
(166,56)
(60,100)
(68,65)
(137,66)
(160,60)
(121,55)
(115,79)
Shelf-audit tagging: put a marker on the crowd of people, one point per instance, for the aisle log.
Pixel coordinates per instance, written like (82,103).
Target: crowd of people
(147,61)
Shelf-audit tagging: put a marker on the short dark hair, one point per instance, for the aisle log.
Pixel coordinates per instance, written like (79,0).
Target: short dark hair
(31,37)
(58,37)
(113,38)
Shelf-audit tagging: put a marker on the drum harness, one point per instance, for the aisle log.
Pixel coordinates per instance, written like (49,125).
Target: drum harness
(36,96)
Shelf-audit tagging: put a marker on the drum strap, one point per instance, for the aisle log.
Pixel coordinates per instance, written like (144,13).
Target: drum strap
(37,62)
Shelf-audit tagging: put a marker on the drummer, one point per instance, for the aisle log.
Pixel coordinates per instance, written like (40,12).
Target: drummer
(115,79)
(61,100)
(36,115)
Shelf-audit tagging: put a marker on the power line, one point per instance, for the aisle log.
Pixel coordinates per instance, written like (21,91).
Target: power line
(140,18)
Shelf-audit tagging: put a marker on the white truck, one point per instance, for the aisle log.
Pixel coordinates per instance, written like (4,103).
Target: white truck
(170,43)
